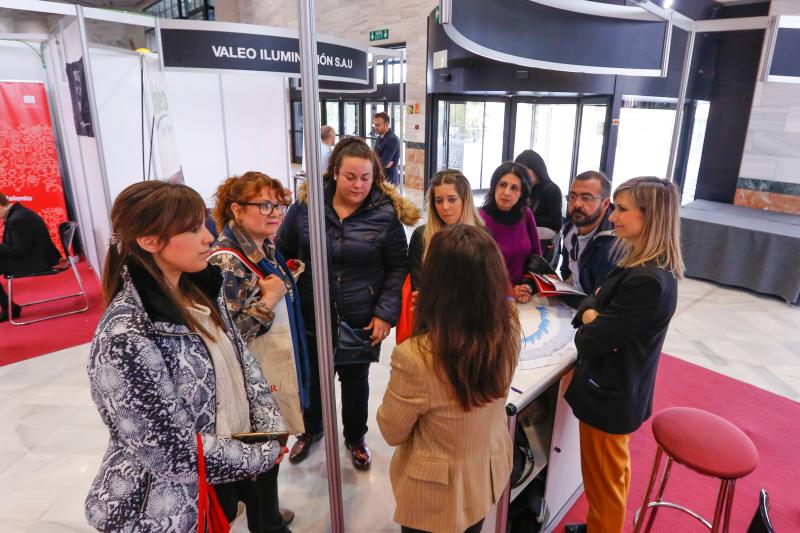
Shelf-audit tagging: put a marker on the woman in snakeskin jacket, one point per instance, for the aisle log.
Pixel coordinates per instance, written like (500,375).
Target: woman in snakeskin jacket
(166,363)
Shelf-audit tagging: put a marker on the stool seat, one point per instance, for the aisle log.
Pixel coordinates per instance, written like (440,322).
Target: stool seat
(705,442)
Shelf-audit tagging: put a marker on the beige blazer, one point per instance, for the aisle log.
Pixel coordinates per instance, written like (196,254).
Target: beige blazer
(450,465)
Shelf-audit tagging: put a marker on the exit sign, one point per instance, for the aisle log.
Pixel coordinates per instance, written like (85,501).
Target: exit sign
(379,35)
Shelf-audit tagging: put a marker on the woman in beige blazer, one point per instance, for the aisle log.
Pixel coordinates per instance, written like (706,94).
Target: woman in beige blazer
(444,407)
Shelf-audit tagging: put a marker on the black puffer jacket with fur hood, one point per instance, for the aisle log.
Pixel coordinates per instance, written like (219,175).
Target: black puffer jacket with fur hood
(367,255)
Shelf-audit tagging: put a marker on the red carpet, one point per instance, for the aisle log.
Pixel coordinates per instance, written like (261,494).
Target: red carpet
(771,421)
(18,343)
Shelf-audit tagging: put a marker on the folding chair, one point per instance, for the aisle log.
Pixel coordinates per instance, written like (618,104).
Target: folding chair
(66,231)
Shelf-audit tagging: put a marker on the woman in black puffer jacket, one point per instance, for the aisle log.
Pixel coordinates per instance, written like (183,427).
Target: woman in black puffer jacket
(367,264)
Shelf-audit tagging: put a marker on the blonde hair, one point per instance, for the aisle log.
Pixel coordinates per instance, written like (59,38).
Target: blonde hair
(469,213)
(659,201)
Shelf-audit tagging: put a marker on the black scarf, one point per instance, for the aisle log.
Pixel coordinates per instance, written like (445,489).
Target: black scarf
(506,218)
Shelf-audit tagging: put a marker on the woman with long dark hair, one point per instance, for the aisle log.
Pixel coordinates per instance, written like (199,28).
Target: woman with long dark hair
(444,407)
(621,329)
(167,363)
(511,223)
(368,261)
(546,198)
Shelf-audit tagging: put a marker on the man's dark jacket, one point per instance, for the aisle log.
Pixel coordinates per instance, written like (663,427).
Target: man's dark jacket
(367,256)
(595,263)
(618,353)
(26,247)
(388,149)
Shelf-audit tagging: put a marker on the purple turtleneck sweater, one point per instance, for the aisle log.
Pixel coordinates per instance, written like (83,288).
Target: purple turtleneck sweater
(517,242)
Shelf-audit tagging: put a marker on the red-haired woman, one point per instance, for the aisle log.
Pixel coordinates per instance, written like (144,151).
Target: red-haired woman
(263,299)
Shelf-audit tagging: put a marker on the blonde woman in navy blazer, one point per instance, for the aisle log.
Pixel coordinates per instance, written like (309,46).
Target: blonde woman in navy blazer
(621,329)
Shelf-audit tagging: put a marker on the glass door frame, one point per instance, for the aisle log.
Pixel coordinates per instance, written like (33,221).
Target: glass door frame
(580,102)
(510,125)
(463,98)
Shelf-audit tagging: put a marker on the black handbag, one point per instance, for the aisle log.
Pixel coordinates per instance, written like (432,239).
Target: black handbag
(353,345)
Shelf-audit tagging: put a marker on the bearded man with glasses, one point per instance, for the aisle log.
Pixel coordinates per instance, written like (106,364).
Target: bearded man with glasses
(588,235)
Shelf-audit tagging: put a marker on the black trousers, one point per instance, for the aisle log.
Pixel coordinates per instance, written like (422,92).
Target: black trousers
(475,528)
(355,398)
(5,268)
(3,297)
(260,498)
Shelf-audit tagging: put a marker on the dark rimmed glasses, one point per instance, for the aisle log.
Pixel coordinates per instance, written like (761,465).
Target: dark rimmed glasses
(585,198)
(267,208)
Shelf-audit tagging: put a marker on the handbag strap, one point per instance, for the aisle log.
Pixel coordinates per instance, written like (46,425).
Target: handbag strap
(241,257)
(202,487)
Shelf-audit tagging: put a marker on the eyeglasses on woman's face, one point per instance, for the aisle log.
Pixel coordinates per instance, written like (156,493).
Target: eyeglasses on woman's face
(267,208)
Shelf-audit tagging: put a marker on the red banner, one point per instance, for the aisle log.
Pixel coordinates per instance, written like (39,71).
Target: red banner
(28,158)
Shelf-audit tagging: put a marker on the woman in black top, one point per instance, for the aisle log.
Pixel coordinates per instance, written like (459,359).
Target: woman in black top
(621,329)
(545,199)
(367,263)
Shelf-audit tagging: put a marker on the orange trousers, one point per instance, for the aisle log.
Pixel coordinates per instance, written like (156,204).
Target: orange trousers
(606,469)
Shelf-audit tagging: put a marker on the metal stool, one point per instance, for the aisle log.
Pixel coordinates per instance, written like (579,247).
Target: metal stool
(707,444)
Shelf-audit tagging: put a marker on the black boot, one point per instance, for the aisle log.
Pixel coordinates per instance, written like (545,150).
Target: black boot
(575,528)
(15,312)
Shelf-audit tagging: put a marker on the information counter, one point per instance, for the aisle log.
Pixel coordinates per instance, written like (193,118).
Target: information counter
(547,357)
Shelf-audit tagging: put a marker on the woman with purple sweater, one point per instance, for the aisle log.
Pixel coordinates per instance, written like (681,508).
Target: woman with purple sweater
(511,223)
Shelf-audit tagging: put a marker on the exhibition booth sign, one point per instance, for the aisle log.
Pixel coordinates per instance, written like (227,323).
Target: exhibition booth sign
(271,50)
(783,60)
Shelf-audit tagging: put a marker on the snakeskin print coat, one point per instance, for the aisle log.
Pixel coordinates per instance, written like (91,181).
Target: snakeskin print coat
(152,380)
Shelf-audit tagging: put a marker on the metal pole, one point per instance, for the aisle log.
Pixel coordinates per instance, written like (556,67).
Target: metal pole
(87,64)
(319,256)
(676,129)
(402,124)
(224,127)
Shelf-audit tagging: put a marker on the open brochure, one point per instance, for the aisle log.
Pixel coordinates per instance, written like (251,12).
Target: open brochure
(554,287)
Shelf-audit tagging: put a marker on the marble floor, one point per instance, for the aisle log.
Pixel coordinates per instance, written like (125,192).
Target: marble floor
(52,439)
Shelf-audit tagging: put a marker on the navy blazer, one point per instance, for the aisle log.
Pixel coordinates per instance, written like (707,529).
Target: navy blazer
(388,150)
(618,353)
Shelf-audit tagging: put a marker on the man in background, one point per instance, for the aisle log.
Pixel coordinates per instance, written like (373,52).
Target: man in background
(26,248)
(387,147)
(328,136)
(588,234)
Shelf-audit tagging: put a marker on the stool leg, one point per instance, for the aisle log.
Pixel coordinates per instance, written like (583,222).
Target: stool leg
(729,505)
(660,494)
(639,519)
(721,498)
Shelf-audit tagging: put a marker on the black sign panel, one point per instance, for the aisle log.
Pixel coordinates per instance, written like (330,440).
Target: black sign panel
(201,49)
(523,28)
(786,57)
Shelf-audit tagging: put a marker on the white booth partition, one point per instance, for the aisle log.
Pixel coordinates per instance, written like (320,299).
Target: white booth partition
(209,100)
(230,123)
(122,118)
